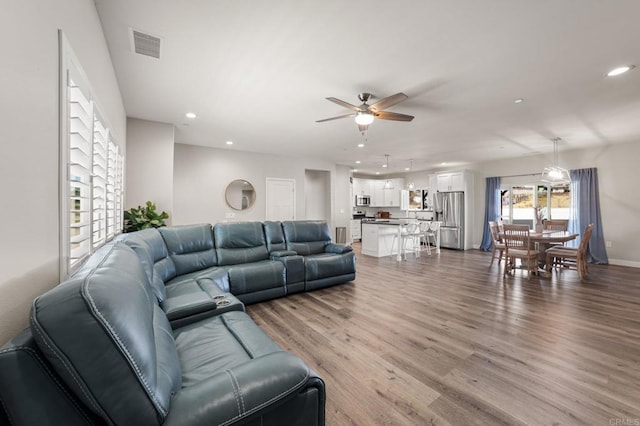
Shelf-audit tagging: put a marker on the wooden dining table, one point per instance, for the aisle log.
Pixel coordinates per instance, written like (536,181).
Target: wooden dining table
(545,239)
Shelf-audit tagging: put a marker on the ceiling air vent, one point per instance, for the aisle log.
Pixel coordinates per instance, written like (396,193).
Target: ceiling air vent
(145,44)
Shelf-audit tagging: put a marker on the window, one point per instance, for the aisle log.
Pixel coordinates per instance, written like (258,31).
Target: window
(518,202)
(90,169)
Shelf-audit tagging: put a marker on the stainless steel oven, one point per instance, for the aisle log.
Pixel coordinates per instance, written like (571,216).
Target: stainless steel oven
(363,200)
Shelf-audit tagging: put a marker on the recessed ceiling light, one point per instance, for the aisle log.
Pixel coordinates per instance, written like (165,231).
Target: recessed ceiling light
(620,70)
(357,161)
(360,145)
(377,173)
(354,170)
(518,101)
(443,163)
(407,168)
(384,165)
(229,142)
(190,115)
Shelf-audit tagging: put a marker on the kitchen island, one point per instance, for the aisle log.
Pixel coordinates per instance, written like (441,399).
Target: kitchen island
(378,237)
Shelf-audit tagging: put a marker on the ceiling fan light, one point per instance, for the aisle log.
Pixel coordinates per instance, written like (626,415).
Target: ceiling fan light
(620,70)
(364,118)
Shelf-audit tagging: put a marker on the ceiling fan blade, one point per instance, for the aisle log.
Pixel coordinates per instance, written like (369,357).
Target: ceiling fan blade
(335,118)
(344,104)
(386,115)
(387,102)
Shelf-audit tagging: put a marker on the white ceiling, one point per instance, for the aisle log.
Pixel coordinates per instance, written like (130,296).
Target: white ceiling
(257,73)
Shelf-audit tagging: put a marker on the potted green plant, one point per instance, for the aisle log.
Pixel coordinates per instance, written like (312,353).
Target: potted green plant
(143,217)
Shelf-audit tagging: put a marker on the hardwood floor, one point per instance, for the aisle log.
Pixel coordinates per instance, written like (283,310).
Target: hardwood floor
(446,340)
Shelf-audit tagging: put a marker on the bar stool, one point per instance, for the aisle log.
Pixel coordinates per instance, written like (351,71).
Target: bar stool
(433,233)
(424,231)
(411,232)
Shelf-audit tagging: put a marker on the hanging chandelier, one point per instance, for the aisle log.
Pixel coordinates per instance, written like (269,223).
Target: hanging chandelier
(555,174)
(388,184)
(411,185)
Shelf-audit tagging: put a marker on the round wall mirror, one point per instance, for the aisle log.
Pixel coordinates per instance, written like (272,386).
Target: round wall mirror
(240,194)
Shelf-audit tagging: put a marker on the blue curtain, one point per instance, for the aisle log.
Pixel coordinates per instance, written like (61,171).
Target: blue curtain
(491,210)
(585,209)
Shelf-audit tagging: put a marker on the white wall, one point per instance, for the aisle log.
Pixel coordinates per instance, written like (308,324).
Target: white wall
(618,176)
(29,176)
(149,172)
(317,195)
(201,175)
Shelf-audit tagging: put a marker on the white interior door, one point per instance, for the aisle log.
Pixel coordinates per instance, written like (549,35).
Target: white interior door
(281,199)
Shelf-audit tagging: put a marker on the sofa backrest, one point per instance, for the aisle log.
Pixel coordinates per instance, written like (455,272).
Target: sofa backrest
(241,242)
(154,256)
(306,237)
(106,337)
(190,247)
(31,393)
(274,236)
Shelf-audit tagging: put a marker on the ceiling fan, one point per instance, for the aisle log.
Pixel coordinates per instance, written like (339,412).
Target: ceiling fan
(366,113)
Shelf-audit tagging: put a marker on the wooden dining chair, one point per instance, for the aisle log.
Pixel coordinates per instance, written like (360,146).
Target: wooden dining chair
(569,257)
(497,246)
(518,246)
(556,225)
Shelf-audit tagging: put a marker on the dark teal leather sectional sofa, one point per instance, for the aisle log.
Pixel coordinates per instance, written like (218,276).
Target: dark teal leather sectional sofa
(152,330)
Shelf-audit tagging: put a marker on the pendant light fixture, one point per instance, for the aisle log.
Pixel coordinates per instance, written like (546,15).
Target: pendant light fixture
(411,185)
(388,184)
(555,174)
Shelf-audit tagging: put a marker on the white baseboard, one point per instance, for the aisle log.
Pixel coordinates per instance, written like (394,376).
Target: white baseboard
(621,262)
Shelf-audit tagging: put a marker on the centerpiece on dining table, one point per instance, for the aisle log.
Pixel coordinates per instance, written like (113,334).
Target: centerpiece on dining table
(539,213)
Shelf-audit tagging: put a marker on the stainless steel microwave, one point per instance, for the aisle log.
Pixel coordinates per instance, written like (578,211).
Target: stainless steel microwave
(363,200)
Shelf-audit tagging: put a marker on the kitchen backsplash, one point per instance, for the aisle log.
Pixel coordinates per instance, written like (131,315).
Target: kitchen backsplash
(396,212)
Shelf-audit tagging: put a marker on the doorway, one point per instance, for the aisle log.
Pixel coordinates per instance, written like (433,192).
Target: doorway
(317,195)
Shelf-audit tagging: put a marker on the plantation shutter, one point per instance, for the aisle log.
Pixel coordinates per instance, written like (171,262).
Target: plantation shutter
(91,169)
(80,113)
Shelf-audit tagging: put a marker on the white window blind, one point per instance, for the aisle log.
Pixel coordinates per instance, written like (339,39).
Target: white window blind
(91,169)
(80,166)
(100,137)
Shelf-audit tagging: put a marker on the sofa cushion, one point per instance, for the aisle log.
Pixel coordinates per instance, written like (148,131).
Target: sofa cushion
(240,243)
(106,337)
(218,344)
(326,265)
(214,275)
(152,252)
(190,247)
(274,236)
(306,237)
(233,371)
(256,276)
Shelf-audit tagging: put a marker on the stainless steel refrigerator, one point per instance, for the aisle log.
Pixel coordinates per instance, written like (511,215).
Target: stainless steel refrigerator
(449,208)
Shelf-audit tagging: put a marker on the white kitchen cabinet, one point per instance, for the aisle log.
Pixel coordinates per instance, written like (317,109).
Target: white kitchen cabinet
(356,229)
(453,181)
(358,187)
(377,194)
(380,197)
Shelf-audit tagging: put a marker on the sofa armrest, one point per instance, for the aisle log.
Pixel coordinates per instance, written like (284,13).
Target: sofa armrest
(337,248)
(240,392)
(282,253)
(187,305)
(293,266)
